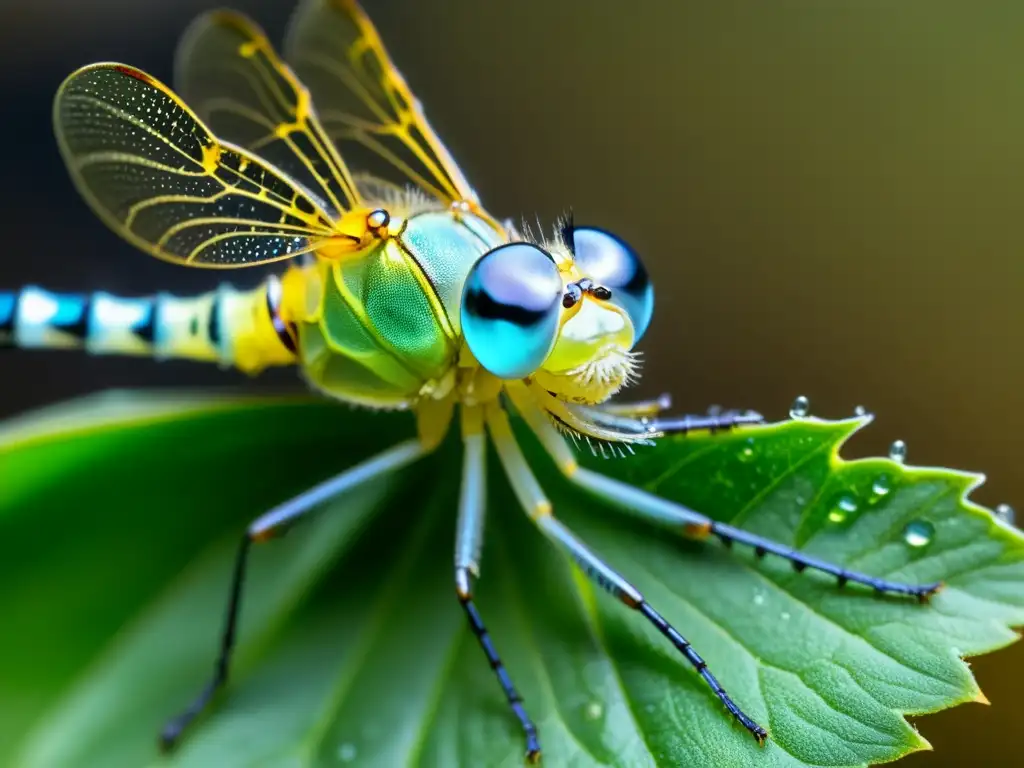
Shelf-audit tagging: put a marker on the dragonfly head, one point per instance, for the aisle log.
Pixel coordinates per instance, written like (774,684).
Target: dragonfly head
(566,313)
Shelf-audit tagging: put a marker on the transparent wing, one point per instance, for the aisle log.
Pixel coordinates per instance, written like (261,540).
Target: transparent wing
(364,102)
(228,72)
(157,176)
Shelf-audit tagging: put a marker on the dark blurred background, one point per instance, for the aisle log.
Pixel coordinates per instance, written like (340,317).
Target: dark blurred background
(830,198)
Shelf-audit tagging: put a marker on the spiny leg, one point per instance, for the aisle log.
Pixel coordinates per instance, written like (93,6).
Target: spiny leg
(616,427)
(696,525)
(468,541)
(646,415)
(264,528)
(681,518)
(536,505)
(720,421)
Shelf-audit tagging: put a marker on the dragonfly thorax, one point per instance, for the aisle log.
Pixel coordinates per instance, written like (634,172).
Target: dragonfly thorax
(382,327)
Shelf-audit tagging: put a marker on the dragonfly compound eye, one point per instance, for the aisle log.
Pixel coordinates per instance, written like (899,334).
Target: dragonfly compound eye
(510,309)
(612,264)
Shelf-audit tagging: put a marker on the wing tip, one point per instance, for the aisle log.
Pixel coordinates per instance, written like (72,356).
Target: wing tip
(138,74)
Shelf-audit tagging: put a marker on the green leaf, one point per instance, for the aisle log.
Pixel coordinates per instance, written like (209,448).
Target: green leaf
(120,514)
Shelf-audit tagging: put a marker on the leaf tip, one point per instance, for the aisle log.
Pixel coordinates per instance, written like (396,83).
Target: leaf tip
(981,698)
(921,744)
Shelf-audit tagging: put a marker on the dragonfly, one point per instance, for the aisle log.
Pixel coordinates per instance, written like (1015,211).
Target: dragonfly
(399,291)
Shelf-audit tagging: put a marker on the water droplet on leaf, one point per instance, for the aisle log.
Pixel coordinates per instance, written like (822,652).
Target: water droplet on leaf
(784,616)
(800,408)
(758,599)
(1005,513)
(594,710)
(860,410)
(919,533)
(347,752)
(843,507)
(747,451)
(881,487)
(898,451)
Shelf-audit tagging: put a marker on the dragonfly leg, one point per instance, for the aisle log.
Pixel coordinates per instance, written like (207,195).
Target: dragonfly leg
(646,416)
(468,541)
(264,528)
(716,421)
(638,408)
(678,517)
(537,506)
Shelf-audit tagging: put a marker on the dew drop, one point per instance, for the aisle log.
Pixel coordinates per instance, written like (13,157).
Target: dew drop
(347,752)
(800,408)
(898,451)
(784,616)
(1005,513)
(843,507)
(594,710)
(747,451)
(758,599)
(860,410)
(919,533)
(649,708)
(881,487)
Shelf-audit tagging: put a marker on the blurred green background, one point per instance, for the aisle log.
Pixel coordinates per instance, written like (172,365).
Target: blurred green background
(829,195)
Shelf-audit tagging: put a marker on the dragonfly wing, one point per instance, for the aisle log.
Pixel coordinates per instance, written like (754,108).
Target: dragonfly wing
(364,102)
(156,175)
(228,72)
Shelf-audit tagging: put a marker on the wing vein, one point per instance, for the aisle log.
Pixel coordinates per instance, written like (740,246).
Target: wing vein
(128,117)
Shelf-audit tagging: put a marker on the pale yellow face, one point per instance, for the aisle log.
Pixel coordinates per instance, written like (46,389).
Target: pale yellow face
(565,318)
(591,358)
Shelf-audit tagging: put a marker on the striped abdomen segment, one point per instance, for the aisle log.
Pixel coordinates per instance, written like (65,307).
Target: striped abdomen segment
(244,329)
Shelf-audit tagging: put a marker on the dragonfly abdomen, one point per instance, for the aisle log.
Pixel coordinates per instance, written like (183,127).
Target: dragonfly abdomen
(243,329)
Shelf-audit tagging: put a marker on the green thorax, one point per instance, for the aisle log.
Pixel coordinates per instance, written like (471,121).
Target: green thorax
(385,327)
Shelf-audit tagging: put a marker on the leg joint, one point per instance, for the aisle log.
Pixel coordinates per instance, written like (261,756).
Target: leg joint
(697,530)
(259,535)
(463,584)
